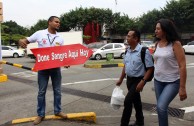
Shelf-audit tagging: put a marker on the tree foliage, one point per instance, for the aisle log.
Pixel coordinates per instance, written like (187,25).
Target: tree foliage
(147,21)
(41,24)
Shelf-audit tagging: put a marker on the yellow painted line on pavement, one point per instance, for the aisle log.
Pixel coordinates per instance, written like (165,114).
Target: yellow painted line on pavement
(120,65)
(17,65)
(84,116)
(3,77)
(92,65)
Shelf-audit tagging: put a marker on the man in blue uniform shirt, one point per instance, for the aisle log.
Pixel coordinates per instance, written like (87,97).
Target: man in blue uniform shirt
(136,78)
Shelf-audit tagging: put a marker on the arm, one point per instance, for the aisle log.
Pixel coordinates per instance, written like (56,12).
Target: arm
(143,81)
(147,60)
(123,74)
(23,43)
(180,56)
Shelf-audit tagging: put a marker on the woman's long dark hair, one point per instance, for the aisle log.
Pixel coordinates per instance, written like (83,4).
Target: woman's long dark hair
(170,29)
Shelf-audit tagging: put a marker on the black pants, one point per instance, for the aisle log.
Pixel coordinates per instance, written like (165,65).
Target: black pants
(132,98)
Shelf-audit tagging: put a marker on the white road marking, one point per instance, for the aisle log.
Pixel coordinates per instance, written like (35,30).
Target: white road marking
(25,74)
(29,73)
(188,109)
(89,81)
(190,65)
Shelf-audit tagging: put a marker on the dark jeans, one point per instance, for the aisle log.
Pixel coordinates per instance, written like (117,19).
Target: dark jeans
(132,98)
(43,78)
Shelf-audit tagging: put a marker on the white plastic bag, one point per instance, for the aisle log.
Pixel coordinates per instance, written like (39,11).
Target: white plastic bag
(117,98)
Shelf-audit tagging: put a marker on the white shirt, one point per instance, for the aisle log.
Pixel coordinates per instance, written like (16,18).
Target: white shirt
(166,65)
(46,39)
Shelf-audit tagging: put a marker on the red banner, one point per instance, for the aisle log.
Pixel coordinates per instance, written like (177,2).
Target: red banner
(58,56)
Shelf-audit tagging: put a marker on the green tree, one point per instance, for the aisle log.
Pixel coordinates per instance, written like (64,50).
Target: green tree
(181,12)
(146,23)
(120,24)
(41,24)
(12,32)
(79,17)
(11,27)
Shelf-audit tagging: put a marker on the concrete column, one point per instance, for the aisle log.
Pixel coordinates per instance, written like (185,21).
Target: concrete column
(3,77)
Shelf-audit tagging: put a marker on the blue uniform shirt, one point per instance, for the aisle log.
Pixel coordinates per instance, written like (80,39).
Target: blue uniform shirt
(133,64)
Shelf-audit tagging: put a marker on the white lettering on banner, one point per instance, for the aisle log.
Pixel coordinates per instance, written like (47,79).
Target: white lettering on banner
(58,56)
(73,54)
(42,58)
(84,52)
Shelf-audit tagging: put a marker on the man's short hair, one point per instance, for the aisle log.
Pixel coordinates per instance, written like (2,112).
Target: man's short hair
(136,33)
(51,18)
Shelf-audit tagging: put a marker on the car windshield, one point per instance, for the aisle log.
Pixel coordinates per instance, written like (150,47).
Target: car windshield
(190,43)
(14,48)
(95,45)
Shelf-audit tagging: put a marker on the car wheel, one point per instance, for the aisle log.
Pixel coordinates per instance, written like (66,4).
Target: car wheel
(122,55)
(15,55)
(98,57)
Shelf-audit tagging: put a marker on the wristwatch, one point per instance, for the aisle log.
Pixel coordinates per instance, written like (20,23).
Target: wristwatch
(144,81)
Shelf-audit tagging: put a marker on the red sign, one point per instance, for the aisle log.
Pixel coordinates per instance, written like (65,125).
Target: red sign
(58,56)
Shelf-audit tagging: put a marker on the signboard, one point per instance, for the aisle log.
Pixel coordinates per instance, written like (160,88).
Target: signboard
(58,56)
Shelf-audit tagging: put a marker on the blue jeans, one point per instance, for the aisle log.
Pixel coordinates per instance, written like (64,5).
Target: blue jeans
(43,79)
(165,93)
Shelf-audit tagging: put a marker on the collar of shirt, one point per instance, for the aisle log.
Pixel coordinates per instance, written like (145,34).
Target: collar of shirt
(48,33)
(137,48)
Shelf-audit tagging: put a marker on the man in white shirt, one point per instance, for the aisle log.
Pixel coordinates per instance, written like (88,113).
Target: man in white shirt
(47,38)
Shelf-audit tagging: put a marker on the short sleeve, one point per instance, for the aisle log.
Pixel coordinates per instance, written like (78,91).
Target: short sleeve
(148,59)
(33,37)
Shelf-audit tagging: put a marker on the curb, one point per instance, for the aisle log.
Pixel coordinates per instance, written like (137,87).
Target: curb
(3,77)
(85,116)
(17,65)
(103,65)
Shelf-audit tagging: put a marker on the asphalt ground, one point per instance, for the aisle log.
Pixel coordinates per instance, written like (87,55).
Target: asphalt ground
(76,99)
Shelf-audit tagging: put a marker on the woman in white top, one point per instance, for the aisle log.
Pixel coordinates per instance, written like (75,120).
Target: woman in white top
(170,68)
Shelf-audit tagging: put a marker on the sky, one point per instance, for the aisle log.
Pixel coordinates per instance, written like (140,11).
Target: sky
(27,12)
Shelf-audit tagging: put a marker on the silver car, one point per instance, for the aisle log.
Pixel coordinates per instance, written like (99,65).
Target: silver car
(189,48)
(8,51)
(117,49)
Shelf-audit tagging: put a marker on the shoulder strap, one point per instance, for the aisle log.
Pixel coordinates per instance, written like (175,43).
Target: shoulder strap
(156,44)
(126,50)
(143,51)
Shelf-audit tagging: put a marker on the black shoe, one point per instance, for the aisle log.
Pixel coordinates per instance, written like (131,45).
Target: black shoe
(137,124)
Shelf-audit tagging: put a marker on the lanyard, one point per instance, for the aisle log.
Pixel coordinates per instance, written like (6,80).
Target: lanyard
(51,42)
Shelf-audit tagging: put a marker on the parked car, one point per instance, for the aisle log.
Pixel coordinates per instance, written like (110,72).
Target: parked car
(117,49)
(95,45)
(9,51)
(189,48)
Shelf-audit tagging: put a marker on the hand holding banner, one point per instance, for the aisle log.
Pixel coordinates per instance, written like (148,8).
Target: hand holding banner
(58,56)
